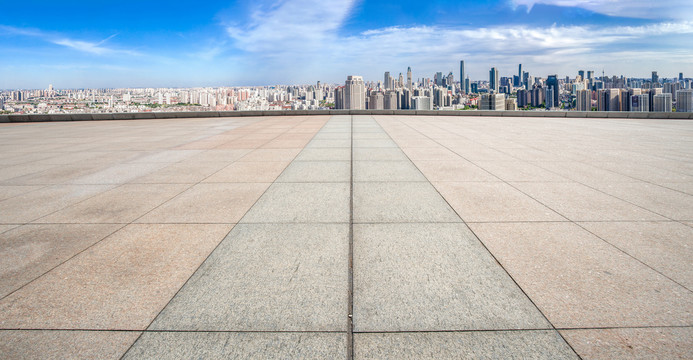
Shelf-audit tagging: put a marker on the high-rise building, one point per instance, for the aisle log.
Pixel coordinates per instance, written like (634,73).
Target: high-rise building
(510,104)
(581,73)
(522,98)
(390,100)
(652,93)
(519,76)
(354,93)
(640,103)
(421,103)
(462,77)
(400,81)
(526,81)
(409,83)
(438,79)
(494,79)
(387,80)
(467,90)
(684,100)
(552,84)
(549,91)
(680,76)
(662,102)
(655,78)
(584,100)
(492,102)
(377,100)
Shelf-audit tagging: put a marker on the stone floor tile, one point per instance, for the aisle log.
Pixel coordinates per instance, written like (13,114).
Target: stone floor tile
(35,204)
(324,154)
(376,202)
(493,201)
(546,344)
(432,277)
(31,250)
(263,277)
(578,202)
(578,280)
(317,171)
(118,173)
(122,283)
(184,172)
(123,204)
(9,191)
(437,153)
(519,171)
(386,171)
(329,143)
(627,344)
(665,246)
(301,202)
(271,155)
(666,202)
(210,345)
(249,172)
(449,170)
(208,203)
(378,154)
(58,345)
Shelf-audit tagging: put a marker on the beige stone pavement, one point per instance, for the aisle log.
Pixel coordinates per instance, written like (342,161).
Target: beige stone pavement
(347,237)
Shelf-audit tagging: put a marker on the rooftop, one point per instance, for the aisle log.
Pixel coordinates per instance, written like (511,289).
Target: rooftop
(347,236)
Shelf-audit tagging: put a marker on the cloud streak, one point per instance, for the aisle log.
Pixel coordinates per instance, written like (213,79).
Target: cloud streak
(89,47)
(644,9)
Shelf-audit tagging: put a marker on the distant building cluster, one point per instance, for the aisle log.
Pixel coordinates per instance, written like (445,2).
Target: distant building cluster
(584,92)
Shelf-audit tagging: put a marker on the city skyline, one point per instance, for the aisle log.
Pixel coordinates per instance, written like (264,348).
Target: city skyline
(220,43)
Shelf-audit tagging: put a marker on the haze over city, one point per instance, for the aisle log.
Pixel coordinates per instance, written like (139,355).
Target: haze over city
(78,44)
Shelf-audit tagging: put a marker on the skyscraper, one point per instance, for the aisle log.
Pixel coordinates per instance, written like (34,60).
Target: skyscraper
(584,100)
(684,101)
(409,84)
(462,77)
(519,76)
(655,77)
(354,93)
(680,76)
(493,79)
(552,83)
(662,102)
(387,80)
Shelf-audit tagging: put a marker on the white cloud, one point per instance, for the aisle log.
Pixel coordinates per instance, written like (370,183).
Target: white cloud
(308,45)
(96,48)
(644,9)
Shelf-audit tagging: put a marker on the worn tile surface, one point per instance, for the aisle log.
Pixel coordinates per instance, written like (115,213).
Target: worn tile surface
(127,228)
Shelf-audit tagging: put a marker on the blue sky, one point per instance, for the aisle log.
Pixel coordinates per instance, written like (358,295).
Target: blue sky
(75,44)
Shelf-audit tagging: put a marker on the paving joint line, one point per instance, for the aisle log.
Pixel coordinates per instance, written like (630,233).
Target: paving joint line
(488,250)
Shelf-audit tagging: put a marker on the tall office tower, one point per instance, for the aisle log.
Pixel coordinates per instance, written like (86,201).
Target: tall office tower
(400,81)
(386,82)
(640,103)
(377,101)
(680,76)
(493,79)
(684,100)
(584,100)
(626,96)
(522,98)
(525,81)
(354,93)
(439,97)
(466,85)
(590,74)
(662,102)
(655,77)
(421,103)
(549,91)
(405,99)
(519,76)
(409,84)
(50,87)
(439,78)
(651,93)
(450,79)
(390,100)
(581,73)
(462,78)
(492,102)
(552,83)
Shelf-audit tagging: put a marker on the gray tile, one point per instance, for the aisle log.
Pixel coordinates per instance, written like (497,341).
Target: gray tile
(374,154)
(374,143)
(400,202)
(206,345)
(301,202)
(331,143)
(316,171)
(265,277)
(386,171)
(325,154)
(545,344)
(119,173)
(426,277)
(35,204)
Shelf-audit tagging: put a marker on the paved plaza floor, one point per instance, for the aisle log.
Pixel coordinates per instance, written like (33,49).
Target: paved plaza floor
(339,237)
